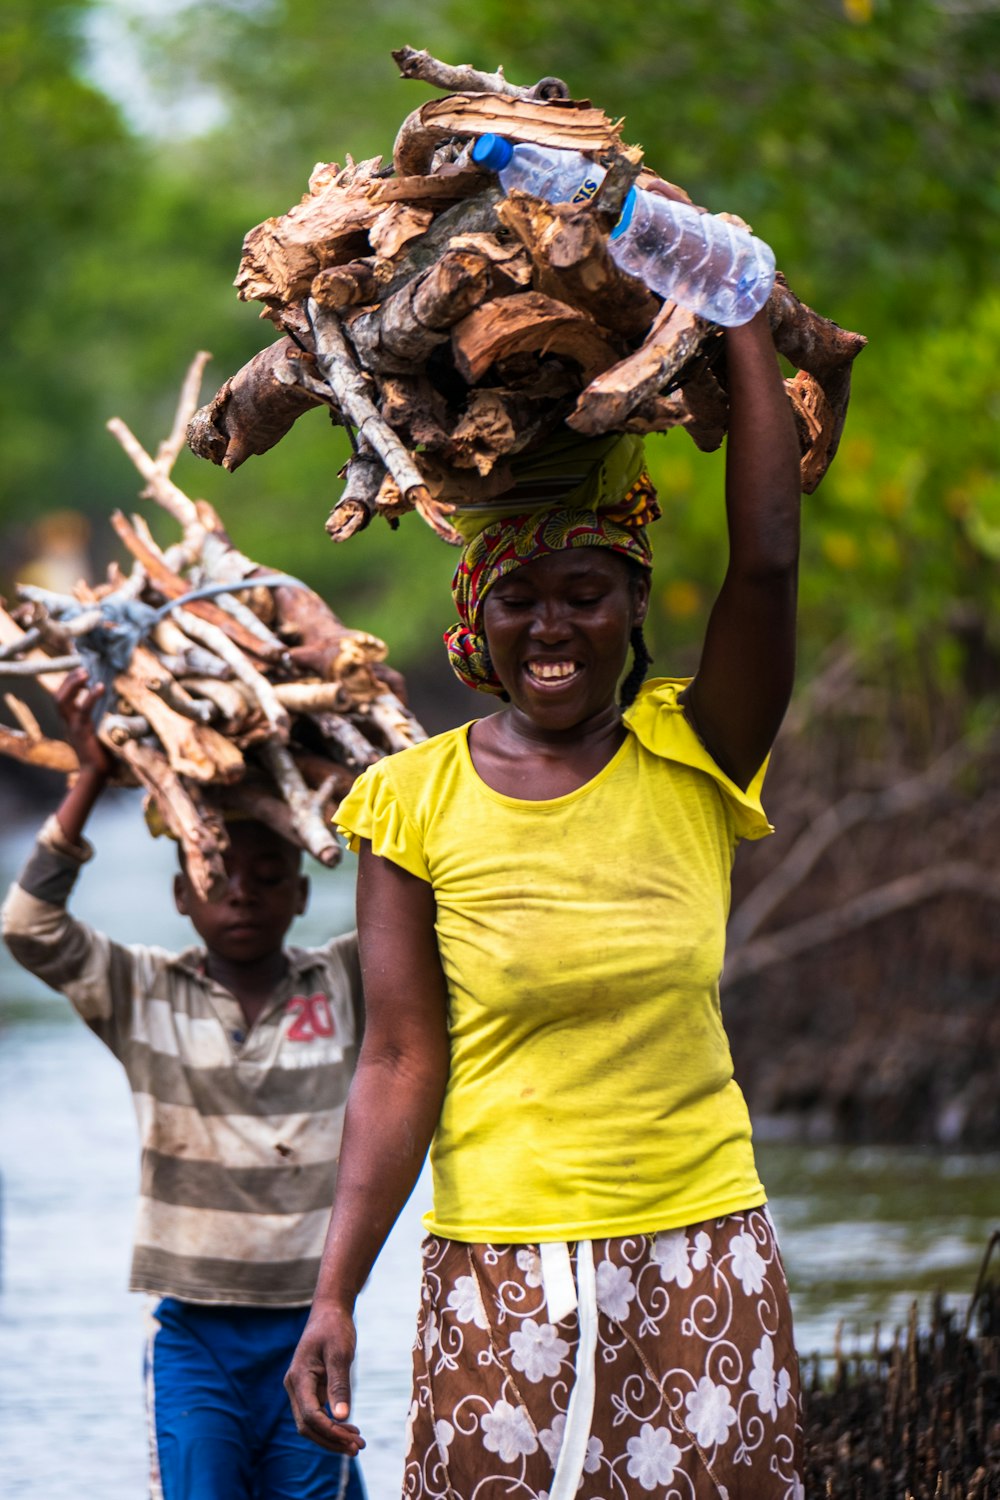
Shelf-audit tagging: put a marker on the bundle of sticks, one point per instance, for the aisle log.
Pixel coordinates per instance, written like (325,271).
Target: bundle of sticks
(450,326)
(230,690)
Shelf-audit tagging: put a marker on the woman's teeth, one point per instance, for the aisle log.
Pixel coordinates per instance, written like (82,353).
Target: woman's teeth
(550,671)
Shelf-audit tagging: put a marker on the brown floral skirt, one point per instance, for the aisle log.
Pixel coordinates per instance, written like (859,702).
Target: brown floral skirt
(687,1359)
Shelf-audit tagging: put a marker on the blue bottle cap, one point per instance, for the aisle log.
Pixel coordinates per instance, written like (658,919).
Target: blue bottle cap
(625,217)
(492,151)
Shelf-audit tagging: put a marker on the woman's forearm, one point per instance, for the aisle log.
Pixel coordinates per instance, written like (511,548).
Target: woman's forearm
(762,456)
(392,1111)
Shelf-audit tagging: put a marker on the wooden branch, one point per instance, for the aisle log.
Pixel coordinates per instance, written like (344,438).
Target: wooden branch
(307,819)
(610,398)
(354,285)
(169,450)
(954,878)
(351,390)
(161,488)
(253,409)
(11,635)
(197,827)
(40,666)
(345,741)
(218,642)
(192,749)
(468,80)
(312,697)
(38,750)
(172,586)
(395,226)
(529,322)
(394,722)
(807,340)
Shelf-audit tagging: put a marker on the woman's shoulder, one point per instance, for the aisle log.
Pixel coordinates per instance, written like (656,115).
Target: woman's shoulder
(660,725)
(418,762)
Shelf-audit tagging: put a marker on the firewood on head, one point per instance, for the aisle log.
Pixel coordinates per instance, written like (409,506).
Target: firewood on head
(252,411)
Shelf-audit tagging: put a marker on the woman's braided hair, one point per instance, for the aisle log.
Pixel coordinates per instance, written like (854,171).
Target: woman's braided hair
(641,663)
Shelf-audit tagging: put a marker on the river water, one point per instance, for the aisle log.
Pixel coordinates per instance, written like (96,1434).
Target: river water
(863,1231)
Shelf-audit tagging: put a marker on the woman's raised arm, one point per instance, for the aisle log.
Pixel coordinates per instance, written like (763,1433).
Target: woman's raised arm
(744,680)
(392,1110)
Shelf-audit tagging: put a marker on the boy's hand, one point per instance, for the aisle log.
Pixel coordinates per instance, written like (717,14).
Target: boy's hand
(76,700)
(320,1376)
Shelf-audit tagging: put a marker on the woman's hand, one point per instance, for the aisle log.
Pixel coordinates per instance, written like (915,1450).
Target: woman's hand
(320,1377)
(76,701)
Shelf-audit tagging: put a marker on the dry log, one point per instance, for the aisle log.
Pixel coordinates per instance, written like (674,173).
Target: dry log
(319,773)
(607,402)
(233,703)
(807,340)
(394,722)
(252,411)
(312,697)
(362,475)
(44,666)
(569,252)
(354,285)
(399,336)
(528,322)
(395,226)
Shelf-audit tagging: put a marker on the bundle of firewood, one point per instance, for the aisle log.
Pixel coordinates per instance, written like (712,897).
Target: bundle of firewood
(230,690)
(450,327)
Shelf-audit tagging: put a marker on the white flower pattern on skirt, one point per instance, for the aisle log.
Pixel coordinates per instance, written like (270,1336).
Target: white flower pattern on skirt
(697,1381)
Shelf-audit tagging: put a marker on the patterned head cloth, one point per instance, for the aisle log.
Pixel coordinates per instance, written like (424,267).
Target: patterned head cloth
(610,508)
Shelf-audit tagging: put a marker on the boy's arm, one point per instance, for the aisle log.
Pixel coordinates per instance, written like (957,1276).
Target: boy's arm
(93,972)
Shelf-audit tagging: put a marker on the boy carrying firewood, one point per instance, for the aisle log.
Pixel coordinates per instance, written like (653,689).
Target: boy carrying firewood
(239,1054)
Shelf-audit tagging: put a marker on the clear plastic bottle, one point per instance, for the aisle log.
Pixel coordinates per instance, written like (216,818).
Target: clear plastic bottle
(558,176)
(699,261)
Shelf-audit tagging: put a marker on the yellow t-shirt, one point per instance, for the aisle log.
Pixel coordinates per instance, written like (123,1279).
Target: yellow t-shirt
(591,1088)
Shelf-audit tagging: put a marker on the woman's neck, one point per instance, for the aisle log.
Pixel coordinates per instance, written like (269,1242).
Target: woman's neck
(518,757)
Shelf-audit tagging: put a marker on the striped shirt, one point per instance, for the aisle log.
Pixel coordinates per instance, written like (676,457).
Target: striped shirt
(239,1127)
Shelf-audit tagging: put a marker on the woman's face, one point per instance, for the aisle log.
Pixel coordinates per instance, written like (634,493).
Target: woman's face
(558,632)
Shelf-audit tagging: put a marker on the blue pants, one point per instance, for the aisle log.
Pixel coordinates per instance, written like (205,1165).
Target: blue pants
(220,1424)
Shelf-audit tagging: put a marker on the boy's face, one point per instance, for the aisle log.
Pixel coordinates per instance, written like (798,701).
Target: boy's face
(265,893)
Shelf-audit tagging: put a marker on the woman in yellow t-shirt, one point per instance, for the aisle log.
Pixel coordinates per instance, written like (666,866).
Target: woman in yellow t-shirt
(542,901)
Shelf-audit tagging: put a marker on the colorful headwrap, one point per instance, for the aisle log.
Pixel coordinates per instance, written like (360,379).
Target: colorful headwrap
(610,508)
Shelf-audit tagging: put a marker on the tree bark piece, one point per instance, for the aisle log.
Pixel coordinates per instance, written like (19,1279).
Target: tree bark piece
(329,226)
(362,475)
(569,251)
(564,124)
(528,322)
(615,393)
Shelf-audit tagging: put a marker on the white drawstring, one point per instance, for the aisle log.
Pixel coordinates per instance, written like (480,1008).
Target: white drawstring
(556,1272)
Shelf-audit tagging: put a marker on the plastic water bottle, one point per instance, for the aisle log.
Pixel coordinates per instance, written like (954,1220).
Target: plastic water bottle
(558,176)
(699,261)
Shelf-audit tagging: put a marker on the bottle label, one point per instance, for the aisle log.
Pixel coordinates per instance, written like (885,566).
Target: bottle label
(586,190)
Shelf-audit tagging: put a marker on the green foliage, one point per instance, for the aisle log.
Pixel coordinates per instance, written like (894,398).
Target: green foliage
(858,136)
